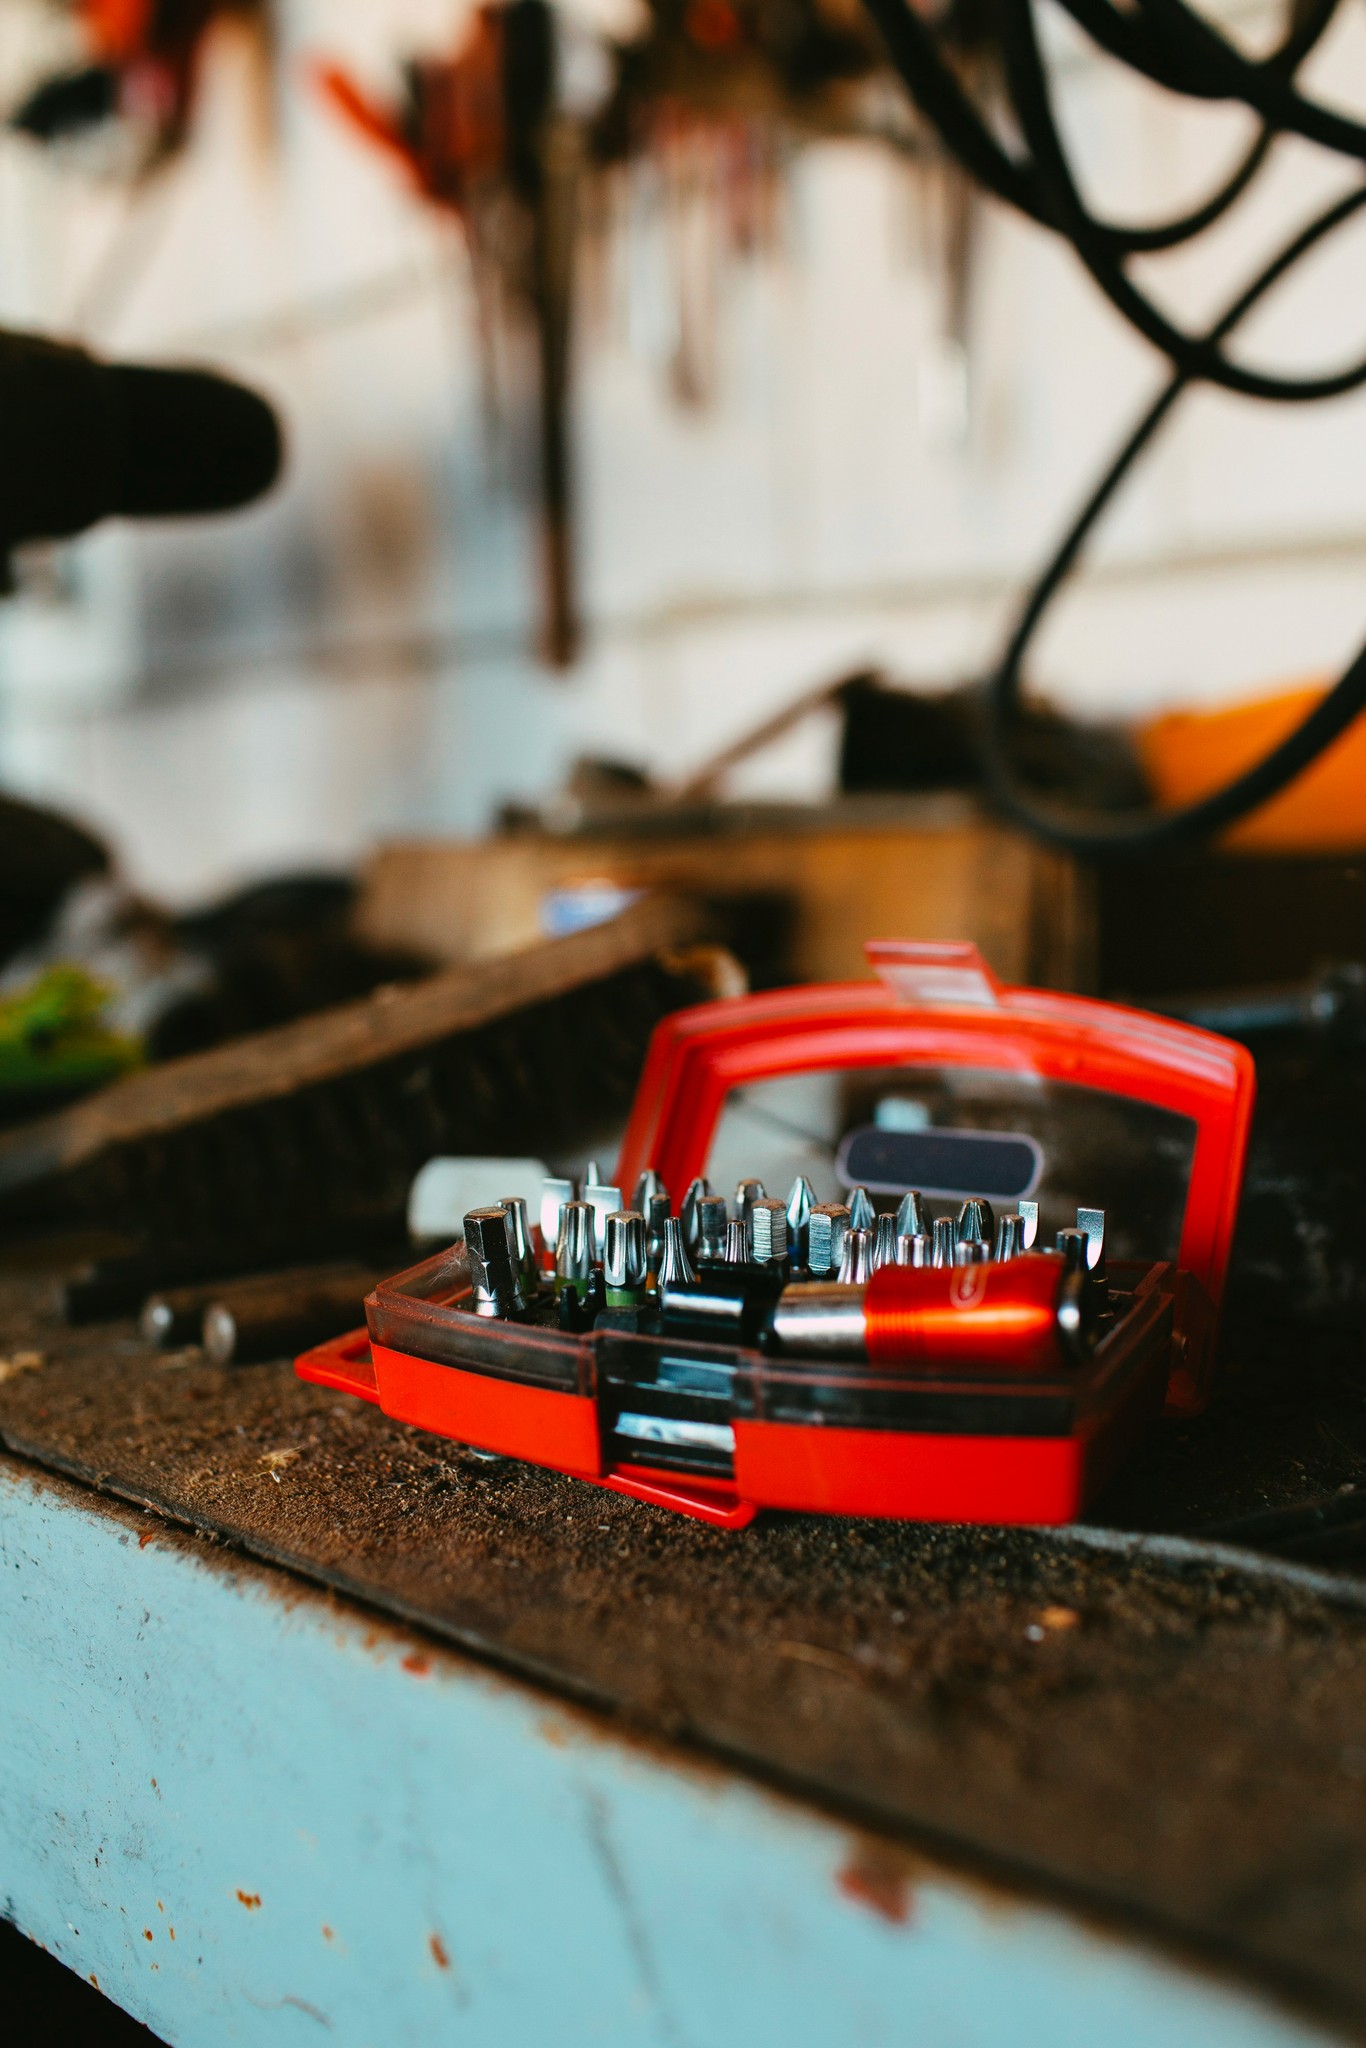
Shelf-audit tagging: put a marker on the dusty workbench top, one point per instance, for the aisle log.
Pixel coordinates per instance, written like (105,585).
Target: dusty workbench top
(1163,1733)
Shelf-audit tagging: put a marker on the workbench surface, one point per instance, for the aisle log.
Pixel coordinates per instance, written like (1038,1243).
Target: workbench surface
(1161,1735)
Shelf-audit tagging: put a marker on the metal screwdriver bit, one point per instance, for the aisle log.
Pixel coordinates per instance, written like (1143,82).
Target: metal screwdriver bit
(1009,1238)
(801,1199)
(576,1252)
(737,1242)
(712,1220)
(911,1220)
(624,1263)
(647,1184)
(603,1201)
(519,1236)
(554,1195)
(497,1289)
(688,1209)
(861,1216)
(944,1242)
(1091,1222)
(884,1241)
(976,1226)
(675,1268)
(768,1232)
(913,1248)
(592,1175)
(746,1195)
(826,1229)
(656,1214)
(856,1258)
(1072,1245)
(1029,1219)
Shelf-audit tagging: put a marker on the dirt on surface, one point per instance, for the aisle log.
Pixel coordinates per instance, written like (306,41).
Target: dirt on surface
(1171,1737)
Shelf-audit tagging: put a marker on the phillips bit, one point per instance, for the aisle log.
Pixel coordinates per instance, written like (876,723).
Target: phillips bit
(675,1268)
(944,1242)
(913,1248)
(519,1237)
(1029,1218)
(603,1201)
(647,1184)
(861,1215)
(976,1226)
(688,1209)
(624,1266)
(1009,1238)
(801,1198)
(554,1195)
(768,1232)
(656,1213)
(746,1195)
(856,1258)
(826,1228)
(712,1220)
(497,1287)
(884,1241)
(1072,1245)
(911,1220)
(576,1252)
(737,1242)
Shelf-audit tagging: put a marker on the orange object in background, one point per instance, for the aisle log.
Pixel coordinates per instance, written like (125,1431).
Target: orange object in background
(1189,754)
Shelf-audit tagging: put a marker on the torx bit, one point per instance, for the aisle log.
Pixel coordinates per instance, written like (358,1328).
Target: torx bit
(576,1251)
(712,1219)
(737,1242)
(913,1248)
(976,1226)
(826,1229)
(746,1195)
(911,1220)
(554,1195)
(861,1216)
(497,1286)
(1072,1245)
(856,1258)
(1009,1238)
(768,1232)
(624,1267)
(519,1236)
(801,1199)
(687,1208)
(944,1242)
(647,1184)
(675,1268)
(884,1241)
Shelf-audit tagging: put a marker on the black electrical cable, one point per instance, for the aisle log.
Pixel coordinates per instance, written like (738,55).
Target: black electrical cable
(1172,46)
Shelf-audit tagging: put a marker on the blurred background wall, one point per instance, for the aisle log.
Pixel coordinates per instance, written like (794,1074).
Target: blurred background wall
(845,438)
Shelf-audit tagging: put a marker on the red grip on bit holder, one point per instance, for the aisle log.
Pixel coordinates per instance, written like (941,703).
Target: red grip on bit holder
(1001,1315)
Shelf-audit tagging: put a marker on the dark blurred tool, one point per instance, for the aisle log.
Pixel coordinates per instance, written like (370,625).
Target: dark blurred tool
(1330,1007)
(175,1315)
(82,440)
(275,1315)
(1323,1531)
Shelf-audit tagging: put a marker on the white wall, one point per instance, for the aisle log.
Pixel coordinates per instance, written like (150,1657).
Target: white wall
(357,656)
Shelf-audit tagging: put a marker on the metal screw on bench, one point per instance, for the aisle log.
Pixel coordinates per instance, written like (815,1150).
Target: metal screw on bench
(574,1255)
(1009,1238)
(768,1232)
(944,1242)
(825,1233)
(675,1268)
(519,1236)
(913,1248)
(861,1216)
(856,1259)
(737,1242)
(554,1195)
(884,1241)
(712,1221)
(624,1265)
(697,1188)
(647,1184)
(911,1220)
(801,1199)
(497,1286)
(746,1195)
(1072,1245)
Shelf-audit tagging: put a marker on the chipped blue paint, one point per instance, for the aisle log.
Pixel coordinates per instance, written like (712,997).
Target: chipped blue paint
(256,1816)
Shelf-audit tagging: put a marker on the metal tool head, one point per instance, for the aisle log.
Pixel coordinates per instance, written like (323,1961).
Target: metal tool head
(688,1208)
(911,1220)
(976,1224)
(944,1242)
(1029,1219)
(577,1249)
(647,1185)
(826,1229)
(554,1195)
(1091,1223)
(801,1199)
(519,1236)
(592,1175)
(603,1201)
(768,1231)
(861,1214)
(675,1267)
(1072,1245)
(1009,1238)
(746,1195)
(624,1265)
(856,1258)
(712,1219)
(913,1248)
(656,1213)
(884,1241)
(497,1286)
(737,1242)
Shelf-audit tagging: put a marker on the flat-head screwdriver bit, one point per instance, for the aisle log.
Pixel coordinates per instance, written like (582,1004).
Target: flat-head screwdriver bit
(554,1195)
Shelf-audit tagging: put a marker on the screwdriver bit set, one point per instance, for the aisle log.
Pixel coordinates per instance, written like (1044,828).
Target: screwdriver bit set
(893,1352)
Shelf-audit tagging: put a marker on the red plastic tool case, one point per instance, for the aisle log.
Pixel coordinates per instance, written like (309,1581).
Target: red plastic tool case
(785,1432)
